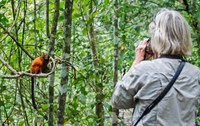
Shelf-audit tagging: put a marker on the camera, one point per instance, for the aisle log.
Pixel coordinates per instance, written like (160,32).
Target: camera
(148,48)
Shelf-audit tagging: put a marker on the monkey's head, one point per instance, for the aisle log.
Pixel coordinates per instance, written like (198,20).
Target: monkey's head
(45,58)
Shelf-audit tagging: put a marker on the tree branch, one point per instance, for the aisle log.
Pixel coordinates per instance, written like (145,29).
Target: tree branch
(15,40)
(8,66)
(186,5)
(26,73)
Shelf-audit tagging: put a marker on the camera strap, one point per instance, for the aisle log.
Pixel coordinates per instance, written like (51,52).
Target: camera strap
(163,93)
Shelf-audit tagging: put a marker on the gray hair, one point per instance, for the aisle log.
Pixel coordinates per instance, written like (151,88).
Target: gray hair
(170,34)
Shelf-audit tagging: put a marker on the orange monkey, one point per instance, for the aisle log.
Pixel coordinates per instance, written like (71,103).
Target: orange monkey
(38,65)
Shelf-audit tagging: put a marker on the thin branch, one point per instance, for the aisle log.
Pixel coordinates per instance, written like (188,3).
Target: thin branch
(34,26)
(186,5)
(47,19)
(60,61)
(14,24)
(15,40)
(8,66)
(11,112)
(26,73)
(19,86)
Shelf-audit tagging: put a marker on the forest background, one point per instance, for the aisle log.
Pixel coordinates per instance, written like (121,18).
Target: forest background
(91,44)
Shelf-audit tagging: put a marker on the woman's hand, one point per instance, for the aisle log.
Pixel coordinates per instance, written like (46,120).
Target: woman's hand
(140,53)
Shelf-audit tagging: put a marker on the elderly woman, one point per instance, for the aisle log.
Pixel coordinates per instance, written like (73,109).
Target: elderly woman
(170,42)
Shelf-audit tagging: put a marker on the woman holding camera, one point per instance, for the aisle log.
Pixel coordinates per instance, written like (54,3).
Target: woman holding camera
(145,81)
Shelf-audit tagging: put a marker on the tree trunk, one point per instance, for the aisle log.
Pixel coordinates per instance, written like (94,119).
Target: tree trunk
(34,26)
(51,53)
(115,78)
(99,86)
(19,82)
(65,57)
(47,19)
(35,52)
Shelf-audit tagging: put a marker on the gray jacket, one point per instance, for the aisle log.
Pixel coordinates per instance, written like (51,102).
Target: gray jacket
(143,83)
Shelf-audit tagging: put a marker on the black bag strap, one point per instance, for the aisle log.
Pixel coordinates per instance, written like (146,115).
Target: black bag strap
(160,97)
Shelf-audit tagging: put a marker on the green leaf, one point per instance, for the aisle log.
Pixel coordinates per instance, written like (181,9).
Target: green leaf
(82,98)
(21,123)
(45,106)
(3,88)
(1,103)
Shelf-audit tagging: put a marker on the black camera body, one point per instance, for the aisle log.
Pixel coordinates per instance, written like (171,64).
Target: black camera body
(148,49)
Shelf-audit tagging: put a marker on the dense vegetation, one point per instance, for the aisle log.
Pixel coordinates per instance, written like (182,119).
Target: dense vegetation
(81,35)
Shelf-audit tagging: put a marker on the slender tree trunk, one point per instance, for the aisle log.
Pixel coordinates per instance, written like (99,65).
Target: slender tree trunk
(19,82)
(66,57)
(34,26)
(99,86)
(14,16)
(51,53)
(115,78)
(24,21)
(35,121)
(47,19)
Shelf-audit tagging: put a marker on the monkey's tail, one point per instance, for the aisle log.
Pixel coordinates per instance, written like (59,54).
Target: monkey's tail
(33,92)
